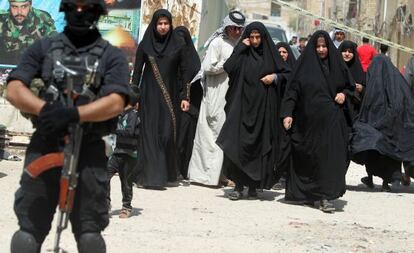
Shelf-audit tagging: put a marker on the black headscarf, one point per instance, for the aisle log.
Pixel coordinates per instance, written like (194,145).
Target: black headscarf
(249,134)
(192,57)
(156,45)
(354,64)
(257,62)
(291,60)
(310,68)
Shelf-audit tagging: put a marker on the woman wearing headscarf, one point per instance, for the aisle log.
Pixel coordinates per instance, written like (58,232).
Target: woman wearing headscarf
(286,53)
(188,121)
(384,129)
(163,54)
(288,56)
(349,53)
(313,111)
(249,137)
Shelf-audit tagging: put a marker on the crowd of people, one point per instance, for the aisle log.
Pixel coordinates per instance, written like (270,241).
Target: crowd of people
(248,114)
(262,115)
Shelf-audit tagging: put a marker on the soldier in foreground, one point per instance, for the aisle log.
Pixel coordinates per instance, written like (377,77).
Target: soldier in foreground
(37,198)
(20,27)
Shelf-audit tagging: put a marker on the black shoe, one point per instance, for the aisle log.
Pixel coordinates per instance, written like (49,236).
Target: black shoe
(368,182)
(326,206)
(385,187)
(252,194)
(235,195)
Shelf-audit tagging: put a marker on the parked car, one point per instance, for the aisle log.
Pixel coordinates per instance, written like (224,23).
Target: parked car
(276,31)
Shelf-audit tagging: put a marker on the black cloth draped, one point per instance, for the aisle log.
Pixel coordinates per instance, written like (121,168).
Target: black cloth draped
(249,137)
(385,123)
(319,134)
(188,121)
(158,148)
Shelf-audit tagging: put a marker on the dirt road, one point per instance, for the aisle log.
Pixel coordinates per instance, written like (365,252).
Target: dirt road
(199,219)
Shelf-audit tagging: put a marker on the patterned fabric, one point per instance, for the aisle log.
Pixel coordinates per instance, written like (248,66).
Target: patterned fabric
(17,37)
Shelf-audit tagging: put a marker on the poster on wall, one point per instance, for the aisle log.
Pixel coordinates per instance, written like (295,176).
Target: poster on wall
(185,13)
(24,22)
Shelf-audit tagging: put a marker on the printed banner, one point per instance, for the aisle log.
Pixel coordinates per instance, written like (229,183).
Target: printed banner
(24,22)
(185,13)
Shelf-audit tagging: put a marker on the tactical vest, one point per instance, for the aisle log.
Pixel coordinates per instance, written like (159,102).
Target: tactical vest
(52,74)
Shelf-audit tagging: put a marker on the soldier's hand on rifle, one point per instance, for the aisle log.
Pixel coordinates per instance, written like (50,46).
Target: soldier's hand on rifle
(57,119)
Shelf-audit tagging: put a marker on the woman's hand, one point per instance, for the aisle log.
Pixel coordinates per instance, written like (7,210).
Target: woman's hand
(359,87)
(340,98)
(268,80)
(287,122)
(246,41)
(185,105)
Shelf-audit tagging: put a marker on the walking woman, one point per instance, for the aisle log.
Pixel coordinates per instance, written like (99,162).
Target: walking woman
(249,137)
(188,119)
(313,112)
(163,53)
(384,129)
(349,53)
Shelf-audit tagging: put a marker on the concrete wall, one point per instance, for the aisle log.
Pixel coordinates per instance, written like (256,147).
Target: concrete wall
(212,14)
(12,119)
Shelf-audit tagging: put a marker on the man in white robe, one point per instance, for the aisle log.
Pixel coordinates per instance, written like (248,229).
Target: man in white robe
(207,158)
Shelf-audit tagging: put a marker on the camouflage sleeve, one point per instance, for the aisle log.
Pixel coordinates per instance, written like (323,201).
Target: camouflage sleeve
(30,64)
(47,22)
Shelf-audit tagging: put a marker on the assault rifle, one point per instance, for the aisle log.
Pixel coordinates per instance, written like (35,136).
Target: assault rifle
(68,159)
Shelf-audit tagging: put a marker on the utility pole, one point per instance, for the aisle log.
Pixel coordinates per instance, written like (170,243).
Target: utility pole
(322,12)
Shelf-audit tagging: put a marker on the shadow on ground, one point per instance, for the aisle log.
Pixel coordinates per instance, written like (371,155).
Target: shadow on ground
(262,195)
(338,203)
(377,188)
(3,175)
(135,212)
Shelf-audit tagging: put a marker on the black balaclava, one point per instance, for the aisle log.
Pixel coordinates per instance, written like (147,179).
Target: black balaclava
(81,26)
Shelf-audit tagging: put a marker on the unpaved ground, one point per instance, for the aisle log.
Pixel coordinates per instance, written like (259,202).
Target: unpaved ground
(198,219)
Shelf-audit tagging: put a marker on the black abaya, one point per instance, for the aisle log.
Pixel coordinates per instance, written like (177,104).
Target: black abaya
(188,121)
(385,125)
(319,134)
(159,116)
(357,73)
(249,137)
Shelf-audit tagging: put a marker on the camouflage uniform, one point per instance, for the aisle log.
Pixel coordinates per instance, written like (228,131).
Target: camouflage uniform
(14,37)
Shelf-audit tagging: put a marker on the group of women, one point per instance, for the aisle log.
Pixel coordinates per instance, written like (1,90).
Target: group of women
(284,117)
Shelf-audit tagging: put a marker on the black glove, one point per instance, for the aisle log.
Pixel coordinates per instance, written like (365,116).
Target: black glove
(49,106)
(55,119)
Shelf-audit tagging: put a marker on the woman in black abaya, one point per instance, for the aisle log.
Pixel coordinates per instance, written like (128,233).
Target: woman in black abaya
(163,54)
(249,137)
(349,53)
(384,129)
(286,53)
(313,110)
(188,121)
